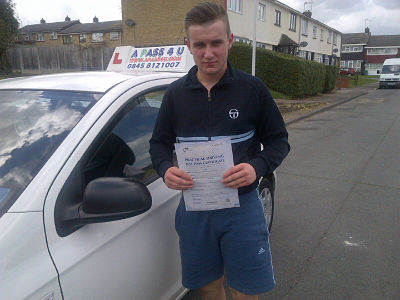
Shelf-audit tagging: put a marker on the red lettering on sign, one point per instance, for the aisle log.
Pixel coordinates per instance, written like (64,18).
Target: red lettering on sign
(116,60)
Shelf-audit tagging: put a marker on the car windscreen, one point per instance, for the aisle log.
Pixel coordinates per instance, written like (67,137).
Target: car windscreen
(390,69)
(32,125)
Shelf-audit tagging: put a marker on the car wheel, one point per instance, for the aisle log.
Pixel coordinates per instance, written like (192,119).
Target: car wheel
(266,192)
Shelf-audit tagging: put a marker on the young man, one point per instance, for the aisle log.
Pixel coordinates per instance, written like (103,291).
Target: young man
(200,104)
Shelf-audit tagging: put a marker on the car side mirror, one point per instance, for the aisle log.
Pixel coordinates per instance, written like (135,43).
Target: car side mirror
(107,199)
(113,195)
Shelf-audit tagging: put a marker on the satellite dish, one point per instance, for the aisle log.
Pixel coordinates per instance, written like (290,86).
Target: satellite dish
(335,50)
(303,44)
(130,22)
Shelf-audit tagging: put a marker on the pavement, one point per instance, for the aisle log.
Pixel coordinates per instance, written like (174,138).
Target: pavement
(298,109)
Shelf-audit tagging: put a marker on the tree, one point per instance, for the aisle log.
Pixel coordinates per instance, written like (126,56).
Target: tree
(8,26)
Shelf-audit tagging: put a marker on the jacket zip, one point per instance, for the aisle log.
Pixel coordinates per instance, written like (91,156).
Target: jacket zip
(209,115)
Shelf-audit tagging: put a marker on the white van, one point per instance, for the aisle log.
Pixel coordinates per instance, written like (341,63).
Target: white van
(390,75)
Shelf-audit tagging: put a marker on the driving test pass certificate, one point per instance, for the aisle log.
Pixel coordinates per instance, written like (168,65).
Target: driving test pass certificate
(206,162)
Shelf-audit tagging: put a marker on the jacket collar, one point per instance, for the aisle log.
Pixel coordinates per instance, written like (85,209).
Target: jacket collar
(193,82)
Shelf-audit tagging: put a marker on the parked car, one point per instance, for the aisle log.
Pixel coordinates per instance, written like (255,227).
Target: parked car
(390,75)
(347,71)
(83,215)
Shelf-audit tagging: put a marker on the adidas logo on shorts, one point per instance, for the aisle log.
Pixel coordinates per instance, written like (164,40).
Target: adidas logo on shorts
(261,251)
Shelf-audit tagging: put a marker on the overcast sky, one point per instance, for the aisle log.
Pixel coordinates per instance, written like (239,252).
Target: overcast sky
(347,16)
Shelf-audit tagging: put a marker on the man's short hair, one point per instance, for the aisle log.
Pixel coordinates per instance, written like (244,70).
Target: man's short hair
(206,12)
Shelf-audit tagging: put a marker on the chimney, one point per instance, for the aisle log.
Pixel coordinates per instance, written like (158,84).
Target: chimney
(367,30)
(307,13)
(308,10)
(42,21)
(67,19)
(95,19)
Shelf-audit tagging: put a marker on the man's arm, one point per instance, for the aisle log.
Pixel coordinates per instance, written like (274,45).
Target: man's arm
(272,133)
(161,148)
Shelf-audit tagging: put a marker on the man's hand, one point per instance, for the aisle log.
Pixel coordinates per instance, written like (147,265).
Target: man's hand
(240,175)
(178,179)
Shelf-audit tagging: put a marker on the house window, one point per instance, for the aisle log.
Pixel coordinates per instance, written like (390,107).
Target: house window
(27,37)
(53,36)
(277,18)
(304,27)
(309,56)
(261,12)
(114,36)
(321,37)
(356,49)
(350,64)
(303,54)
(67,39)
(318,57)
(335,39)
(329,37)
(392,51)
(97,37)
(235,5)
(242,40)
(343,64)
(326,60)
(382,51)
(314,32)
(292,22)
(40,37)
(82,37)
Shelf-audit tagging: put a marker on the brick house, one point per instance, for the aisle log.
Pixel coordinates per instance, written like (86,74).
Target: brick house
(43,34)
(354,50)
(379,48)
(279,27)
(154,23)
(96,34)
(282,28)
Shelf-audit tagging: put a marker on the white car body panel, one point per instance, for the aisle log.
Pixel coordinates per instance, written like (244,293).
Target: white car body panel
(82,81)
(104,254)
(26,270)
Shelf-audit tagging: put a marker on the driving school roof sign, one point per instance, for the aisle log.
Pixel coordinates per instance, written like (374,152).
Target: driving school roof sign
(167,58)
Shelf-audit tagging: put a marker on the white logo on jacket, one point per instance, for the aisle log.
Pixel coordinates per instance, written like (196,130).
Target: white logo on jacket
(233,113)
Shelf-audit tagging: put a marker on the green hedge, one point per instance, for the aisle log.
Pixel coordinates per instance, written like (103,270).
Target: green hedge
(330,81)
(285,73)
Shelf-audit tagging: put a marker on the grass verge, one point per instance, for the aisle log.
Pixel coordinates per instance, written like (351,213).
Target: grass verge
(278,95)
(362,79)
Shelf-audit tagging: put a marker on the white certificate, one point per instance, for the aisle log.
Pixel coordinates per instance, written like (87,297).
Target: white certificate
(206,162)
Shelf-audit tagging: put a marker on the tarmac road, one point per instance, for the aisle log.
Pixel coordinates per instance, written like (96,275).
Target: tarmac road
(336,231)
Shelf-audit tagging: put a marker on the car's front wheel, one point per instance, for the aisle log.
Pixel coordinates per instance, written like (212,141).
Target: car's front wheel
(266,192)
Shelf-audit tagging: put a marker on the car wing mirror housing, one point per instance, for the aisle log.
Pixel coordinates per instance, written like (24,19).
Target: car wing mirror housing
(107,199)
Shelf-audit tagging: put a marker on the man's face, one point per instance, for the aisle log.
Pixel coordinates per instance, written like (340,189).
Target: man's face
(209,44)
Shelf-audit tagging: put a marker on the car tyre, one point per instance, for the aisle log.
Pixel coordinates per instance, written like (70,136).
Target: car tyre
(266,192)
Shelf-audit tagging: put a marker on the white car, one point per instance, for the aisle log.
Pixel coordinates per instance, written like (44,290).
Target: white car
(83,215)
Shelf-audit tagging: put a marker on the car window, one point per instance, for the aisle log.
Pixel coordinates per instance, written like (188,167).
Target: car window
(390,69)
(125,150)
(33,124)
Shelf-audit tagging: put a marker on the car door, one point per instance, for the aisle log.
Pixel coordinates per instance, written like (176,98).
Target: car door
(134,258)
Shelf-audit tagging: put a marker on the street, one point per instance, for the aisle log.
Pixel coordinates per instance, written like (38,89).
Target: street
(336,225)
